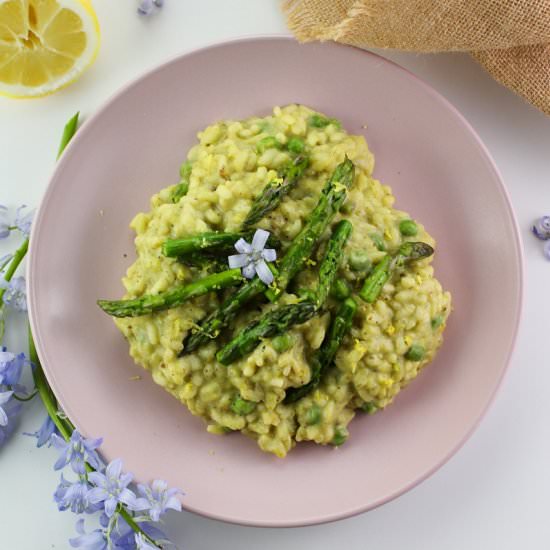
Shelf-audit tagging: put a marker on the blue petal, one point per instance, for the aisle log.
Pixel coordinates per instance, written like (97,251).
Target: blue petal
(238,260)
(110,506)
(114,469)
(249,271)
(259,240)
(243,247)
(5,397)
(59,443)
(97,494)
(3,417)
(77,464)
(61,462)
(264,273)
(269,254)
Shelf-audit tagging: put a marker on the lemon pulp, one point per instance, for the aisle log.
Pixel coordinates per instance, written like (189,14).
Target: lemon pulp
(45,44)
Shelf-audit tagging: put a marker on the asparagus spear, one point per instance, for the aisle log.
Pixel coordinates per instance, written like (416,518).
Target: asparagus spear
(332,259)
(209,241)
(204,262)
(272,323)
(211,326)
(382,272)
(324,356)
(220,318)
(330,201)
(171,298)
(277,321)
(275,190)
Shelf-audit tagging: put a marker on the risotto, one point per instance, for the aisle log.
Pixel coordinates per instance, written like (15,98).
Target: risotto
(389,340)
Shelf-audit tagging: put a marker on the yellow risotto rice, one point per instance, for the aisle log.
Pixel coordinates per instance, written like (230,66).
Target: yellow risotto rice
(371,366)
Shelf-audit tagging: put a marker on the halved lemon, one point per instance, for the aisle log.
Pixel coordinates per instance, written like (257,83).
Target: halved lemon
(45,44)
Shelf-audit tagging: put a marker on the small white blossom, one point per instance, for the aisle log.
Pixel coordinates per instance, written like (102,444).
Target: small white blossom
(253,257)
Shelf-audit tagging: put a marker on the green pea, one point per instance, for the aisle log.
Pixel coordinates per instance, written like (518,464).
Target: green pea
(319,121)
(313,415)
(282,343)
(340,436)
(378,241)
(347,208)
(408,228)
(340,290)
(185,170)
(306,294)
(415,353)
(296,145)
(437,321)
(241,406)
(180,191)
(359,260)
(266,143)
(369,407)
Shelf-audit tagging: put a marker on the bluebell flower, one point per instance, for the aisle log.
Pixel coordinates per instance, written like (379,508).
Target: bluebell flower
(11,367)
(44,433)
(9,409)
(74,495)
(76,452)
(15,295)
(145,7)
(159,498)
(112,488)
(123,537)
(142,543)
(4,398)
(23,221)
(5,229)
(95,540)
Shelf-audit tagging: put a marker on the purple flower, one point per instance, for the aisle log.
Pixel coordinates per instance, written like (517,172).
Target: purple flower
(4,398)
(23,221)
(123,536)
(96,540)
(143,544)
(253,257)
(145,7)
(9,408)
(45,432)
(74,496)
(546,249)
(541,228)
(112,488)
(15,295)
(5,229)
(159,498)
(11,366)
(76,452)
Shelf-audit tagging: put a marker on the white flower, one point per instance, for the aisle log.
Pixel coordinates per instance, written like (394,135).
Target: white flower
(253,257)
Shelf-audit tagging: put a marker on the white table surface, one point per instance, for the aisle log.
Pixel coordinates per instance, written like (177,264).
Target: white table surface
(495,493)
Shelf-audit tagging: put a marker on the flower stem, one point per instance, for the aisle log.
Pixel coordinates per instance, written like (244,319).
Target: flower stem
(14,264)
(135,527)
(28,398)
(68,132)
(45,392)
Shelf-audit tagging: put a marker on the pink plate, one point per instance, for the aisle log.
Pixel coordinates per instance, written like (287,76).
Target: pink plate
(81,246)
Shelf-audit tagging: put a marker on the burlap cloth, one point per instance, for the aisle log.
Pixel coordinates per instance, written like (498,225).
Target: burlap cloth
(509,38)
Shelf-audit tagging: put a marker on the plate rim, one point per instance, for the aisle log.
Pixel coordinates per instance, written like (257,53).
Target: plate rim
(436,96)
